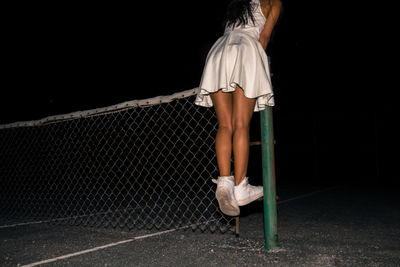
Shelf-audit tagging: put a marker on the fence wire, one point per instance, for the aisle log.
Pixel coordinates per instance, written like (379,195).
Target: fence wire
(139,165)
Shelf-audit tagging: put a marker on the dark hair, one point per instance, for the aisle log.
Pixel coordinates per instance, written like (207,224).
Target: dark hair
(238,13)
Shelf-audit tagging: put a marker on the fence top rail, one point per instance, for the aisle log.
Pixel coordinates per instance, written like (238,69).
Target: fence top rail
(101,111)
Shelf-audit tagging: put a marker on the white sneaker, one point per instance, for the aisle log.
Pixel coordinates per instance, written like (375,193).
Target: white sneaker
(226,196)
(246,193)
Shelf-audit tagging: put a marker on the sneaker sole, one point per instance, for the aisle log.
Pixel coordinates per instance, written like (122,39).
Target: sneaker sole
(244,202)
(225,203)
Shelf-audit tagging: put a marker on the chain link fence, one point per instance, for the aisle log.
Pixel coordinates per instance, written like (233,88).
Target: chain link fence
(143,164)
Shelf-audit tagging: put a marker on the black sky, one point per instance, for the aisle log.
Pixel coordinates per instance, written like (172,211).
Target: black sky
(63,58)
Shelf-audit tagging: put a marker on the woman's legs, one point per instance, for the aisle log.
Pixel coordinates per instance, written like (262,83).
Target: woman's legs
(243,109)
(223,141)
(225,192)
(234,112)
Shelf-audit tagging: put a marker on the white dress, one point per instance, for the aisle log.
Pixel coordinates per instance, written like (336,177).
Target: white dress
(237,58)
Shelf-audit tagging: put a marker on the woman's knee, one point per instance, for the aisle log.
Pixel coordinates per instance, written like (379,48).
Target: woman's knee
(240,125)
(225,127)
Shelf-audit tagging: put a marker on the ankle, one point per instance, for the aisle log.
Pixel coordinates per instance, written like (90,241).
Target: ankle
(238,180)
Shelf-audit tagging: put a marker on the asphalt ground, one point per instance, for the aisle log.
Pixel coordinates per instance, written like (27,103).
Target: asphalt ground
(321,226)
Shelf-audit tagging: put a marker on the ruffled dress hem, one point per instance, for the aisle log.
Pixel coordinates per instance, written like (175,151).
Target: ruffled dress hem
(203,97)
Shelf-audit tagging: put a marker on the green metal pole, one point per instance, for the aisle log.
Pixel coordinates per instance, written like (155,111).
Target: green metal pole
(268,165)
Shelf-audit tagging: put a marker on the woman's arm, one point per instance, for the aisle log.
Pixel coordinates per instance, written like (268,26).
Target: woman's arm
(272,18)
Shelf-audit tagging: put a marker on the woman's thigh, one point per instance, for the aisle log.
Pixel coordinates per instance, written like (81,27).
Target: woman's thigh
(223,107)
(242,108)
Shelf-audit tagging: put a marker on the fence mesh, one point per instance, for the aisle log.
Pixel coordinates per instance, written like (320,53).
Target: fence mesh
(139,165)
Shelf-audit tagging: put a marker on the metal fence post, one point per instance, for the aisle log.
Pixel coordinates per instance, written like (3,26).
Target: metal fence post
(268,165)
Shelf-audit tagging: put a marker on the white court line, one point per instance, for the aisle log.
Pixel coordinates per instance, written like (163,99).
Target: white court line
(52,220)
(20,224)
(150,235)
(109,245)
(99,248)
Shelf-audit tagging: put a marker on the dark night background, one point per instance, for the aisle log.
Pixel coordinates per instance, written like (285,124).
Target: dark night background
(334,119)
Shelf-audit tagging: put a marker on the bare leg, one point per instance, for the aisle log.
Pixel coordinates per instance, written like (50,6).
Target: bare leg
(223,141)
(243,109)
